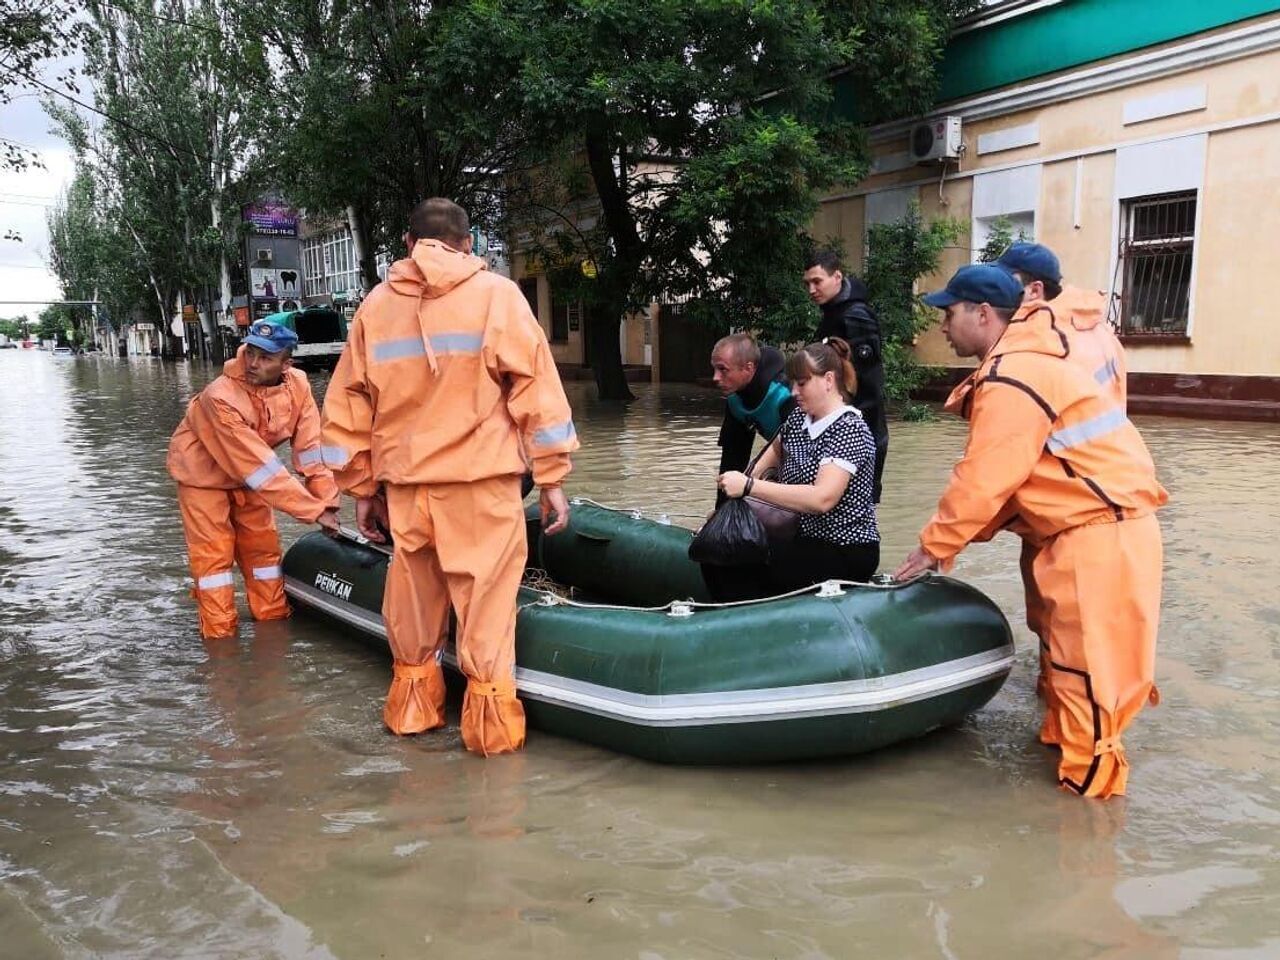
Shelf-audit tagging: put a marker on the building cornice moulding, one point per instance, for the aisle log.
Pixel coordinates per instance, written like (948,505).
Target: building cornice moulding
(1203,52)
(999,12)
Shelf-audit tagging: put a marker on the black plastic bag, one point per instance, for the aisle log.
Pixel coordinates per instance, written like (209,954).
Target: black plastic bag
(734,535)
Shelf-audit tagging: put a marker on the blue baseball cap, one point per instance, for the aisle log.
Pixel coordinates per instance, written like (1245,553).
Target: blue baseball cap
(978,283)
(1034,259)
(271,335)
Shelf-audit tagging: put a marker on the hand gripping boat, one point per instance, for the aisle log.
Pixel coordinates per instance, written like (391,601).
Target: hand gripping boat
(638,661)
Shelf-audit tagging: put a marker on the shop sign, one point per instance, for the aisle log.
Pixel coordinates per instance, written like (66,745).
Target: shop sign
(264,281)
(271,219)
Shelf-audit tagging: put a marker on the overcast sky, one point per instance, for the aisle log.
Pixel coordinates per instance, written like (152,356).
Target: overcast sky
(24,203)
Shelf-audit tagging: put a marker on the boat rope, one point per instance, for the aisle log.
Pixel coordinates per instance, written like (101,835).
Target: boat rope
(537,579)
(664,517)
(686,608)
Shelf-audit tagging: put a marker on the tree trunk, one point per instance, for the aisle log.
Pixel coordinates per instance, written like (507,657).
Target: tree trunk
(606,355)
(165,324)
(618,277)
(224,274)
(364,256)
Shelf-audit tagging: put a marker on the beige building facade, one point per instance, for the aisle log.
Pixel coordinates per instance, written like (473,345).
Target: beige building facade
(1154,174)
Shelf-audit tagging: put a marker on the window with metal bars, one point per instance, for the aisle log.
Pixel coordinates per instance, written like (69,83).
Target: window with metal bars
(1156,249)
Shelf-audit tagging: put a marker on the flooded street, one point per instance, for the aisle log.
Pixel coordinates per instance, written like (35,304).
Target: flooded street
(161,797)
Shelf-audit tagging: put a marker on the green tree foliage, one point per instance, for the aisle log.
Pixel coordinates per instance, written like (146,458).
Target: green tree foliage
(364,109)
(643,149)
(14,329)
(169,165)
(94,257)
(54,323)
(32,34)
(746,205)
(698,136)
(898,254)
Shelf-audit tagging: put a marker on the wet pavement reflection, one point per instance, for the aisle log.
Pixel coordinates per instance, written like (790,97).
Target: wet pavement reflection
(163,797)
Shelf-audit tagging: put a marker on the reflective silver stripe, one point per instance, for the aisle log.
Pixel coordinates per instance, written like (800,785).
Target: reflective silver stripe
(557,434)
(334,456)
(1106,372)
(456,342)
(264,473)
(214,580)
(1074,436)
(307,458)
(398,349)
(266,573)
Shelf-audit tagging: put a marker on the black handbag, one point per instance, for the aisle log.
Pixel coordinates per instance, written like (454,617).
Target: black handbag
(782,524)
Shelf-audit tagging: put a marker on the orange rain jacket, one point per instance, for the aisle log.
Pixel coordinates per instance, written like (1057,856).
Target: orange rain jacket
(1047,450)
(1078,317)
(226,441)
(395,414)
(1076,320)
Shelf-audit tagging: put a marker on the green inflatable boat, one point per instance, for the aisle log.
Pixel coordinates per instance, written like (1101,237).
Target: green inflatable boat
(618,645)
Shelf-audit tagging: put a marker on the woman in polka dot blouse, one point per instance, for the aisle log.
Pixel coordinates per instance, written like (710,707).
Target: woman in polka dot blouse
(824,456)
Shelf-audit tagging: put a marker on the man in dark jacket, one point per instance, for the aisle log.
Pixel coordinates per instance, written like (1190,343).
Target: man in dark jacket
(757,398)
(845,314)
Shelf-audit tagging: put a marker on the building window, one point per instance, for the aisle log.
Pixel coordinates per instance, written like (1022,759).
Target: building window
(529,287)
(329,265)
(312,269)
(566,315)
(993,235)
(1155,256)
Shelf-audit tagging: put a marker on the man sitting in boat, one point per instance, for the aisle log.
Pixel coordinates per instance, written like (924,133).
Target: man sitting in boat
(1050,449)
(229,476)
(825,457)
(757,398)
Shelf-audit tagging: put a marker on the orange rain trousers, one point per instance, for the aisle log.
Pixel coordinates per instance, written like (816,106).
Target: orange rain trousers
(1100,608)
(223,527)
(461,545)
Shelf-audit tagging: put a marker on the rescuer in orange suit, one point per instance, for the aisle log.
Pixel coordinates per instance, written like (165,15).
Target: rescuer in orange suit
(1077,317)
(222,456)
(445,394)
(1053,455)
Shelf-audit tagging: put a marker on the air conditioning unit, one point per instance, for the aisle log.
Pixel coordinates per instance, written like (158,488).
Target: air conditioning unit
(262,255)
(937,139)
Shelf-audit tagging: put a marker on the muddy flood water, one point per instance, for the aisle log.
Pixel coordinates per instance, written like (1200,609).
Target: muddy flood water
(161,797)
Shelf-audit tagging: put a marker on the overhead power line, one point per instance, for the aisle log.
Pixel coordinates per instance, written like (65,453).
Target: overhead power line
(112,117)
(147,15)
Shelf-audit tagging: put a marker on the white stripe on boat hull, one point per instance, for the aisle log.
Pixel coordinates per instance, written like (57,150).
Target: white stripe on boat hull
(705,709)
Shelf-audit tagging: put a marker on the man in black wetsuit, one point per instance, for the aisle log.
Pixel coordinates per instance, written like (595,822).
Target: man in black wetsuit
(845,314)
(757,398)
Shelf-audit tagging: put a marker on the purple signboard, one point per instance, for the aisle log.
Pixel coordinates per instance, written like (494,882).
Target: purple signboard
(271,219)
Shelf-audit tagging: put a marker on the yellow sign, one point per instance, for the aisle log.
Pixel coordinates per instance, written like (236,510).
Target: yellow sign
(589,269)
